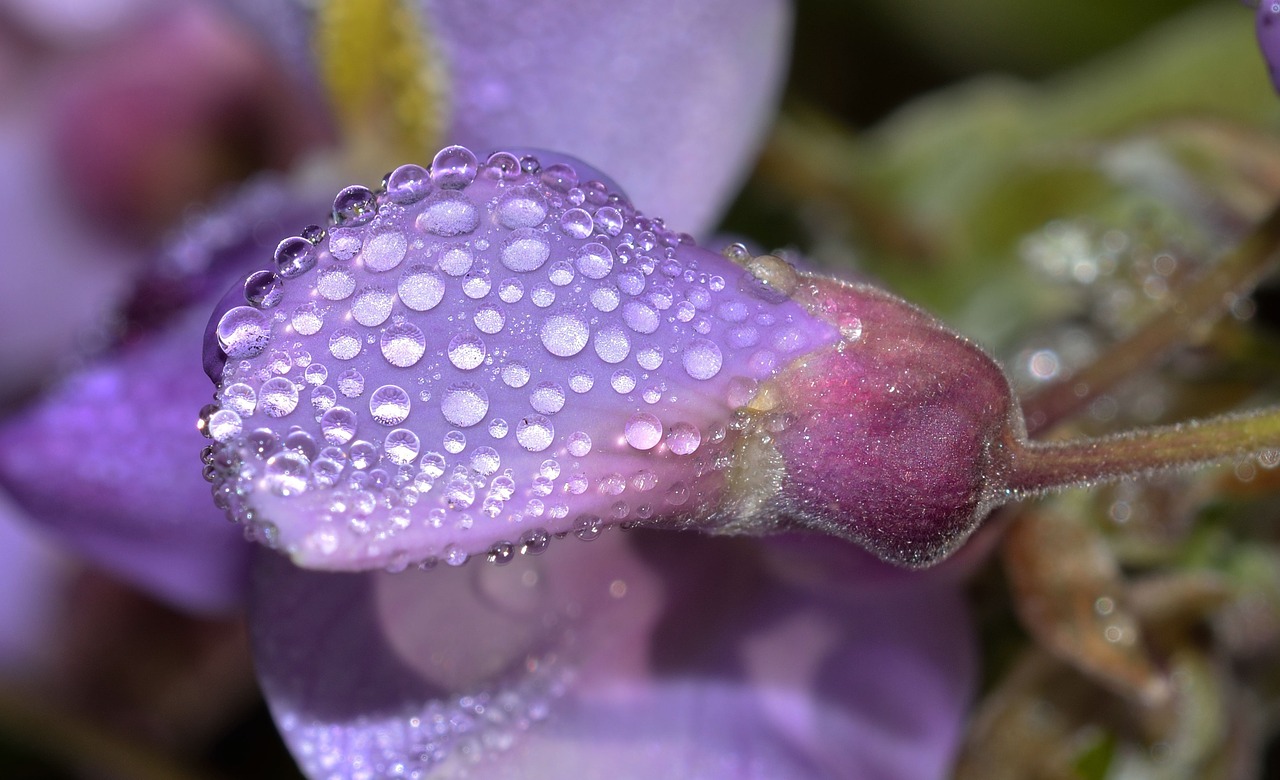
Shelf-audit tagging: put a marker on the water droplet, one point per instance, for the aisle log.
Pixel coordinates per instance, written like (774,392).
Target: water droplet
(224,425)
(363,454)
(454,167)
(577,223)
(547,398)
(456,260)
(594,260)
(534,541)
(535,433)
(466,351)
(344,344)
(510,290)
(505,164)
(277,397)
(587,527)
(351,383)
(344,243)
(313,233)
(403,344)
(335,283)
(294,257)
(464,404)
(240,398)
(702,359)
(623,381)
(372,306)
(640,317)
(564,335)
(612,344)
(515,374)
(521,208)
(323,398)
(401,446)
(354,205)
(389,405)
(448,213)
(339,426)
(579,444)
(683,439)
(485,460)
(385,251)
(643,431)
(476,285)
(243,332)
(608,220)
(489,319)
(263,289)
(420,289)
(524,250)
(581,381)
(561,273)
(407,184)
(307,320)
(631,282)
(649,358)
(286,473)
(605,299)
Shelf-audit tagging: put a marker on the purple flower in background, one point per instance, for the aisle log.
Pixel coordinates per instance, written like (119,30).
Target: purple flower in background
(1268,26)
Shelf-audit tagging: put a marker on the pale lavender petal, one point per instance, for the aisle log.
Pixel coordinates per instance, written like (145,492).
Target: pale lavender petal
(672,98)
(635,656)
(473,361)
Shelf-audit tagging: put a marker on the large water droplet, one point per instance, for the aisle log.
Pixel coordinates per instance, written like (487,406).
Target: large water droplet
(578,444)
(421,289)
(286,473)
(454,167)
(307,320)
(640,317)
(344,344)
(466,351)
(489,319)
(448,213)
(547,397)
(702,358)
(521,208)
(240,398)
(354,205)
(351,383)
(608,220)
(401,446)
(577,223)
(335,283)
(683,439)
(408,184)
(403,344)
(243,332)
(372,306)
(224,425)
(385,251)
(338,425)
(389,405)
(464,404)
(277,397)
(515,374)
(535,433)
(263,289)
(456,260)
(524,250)
(612,344)
(594,260)
(564,335)
(294,257)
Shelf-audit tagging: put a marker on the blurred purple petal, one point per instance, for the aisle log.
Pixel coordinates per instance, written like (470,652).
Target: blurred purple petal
(634,656)
(33,580)
(1268,25)
(671,98)
(470,366)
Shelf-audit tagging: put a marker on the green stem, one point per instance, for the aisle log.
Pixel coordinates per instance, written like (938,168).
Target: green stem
(79,745)
(1040,466)
(1202,301)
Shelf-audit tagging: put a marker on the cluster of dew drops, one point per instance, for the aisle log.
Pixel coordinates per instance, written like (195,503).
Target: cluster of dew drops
(491,261)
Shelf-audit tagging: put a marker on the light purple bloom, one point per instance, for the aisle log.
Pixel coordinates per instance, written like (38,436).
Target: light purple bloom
(1268,26)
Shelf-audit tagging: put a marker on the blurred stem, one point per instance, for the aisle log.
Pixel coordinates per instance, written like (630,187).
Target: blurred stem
(80,746)
(1199,303)
(1039,466)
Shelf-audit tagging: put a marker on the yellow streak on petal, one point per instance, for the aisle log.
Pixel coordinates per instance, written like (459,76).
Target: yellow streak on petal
(385,81)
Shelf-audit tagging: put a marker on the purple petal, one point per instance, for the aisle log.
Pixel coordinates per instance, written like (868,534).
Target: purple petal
(672,98)
(107,460)
(33,578)
(1268,28)
(484,362)
(634,657)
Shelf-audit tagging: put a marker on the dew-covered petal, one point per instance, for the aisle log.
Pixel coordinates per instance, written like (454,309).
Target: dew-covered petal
(672,98)
(108,462)
(635,656)
(602,384)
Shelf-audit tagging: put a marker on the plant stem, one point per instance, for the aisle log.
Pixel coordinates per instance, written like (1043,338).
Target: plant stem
(1041,466)
(1202,301)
